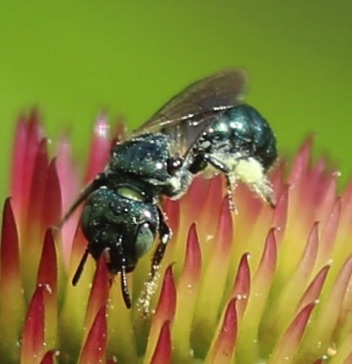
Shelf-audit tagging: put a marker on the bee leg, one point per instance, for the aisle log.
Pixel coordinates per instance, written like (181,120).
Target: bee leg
(124,287)
(165,234)
(249,171)
(230,187)
(79,269)
(123,277)
(230,178)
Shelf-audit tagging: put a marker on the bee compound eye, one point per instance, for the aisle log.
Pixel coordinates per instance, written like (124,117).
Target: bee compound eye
(174,164)
(144,240)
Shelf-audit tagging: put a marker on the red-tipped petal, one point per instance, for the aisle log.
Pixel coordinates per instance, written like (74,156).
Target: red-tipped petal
(311,191)
(100,148)
(18,162)
(309,255)
(328,237)
(291,293)
(301,163)
(214,280)
(287,346)
(195,199)
(326,196)
(12,303)
(223,347)
(330,312)
(69,187)
(123,332)
(94,347)
(48,276)
(346,212)
(187,291)
(10,264)
(162,353)
(313,291)
(100,291)
(28,136)
(32,232)
(343,326)
(193,261)
(49,357)
(280,214)
(225,228)
(165,311)
(37,186)
(212,198)
(33,339)
(48,270)
(167,299)
(261,285)
(172,211)
(267,264)
(51,211)
(242,285)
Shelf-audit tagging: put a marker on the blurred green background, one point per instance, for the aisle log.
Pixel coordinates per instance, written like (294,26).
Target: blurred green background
(73,59)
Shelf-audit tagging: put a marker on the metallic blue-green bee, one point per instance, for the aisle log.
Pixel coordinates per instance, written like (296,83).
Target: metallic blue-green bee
(204,129)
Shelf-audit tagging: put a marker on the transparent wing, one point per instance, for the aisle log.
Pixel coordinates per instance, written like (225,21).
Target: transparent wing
(194,109)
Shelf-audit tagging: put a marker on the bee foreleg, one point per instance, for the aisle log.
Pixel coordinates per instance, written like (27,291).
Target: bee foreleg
(123,277)
(164,234)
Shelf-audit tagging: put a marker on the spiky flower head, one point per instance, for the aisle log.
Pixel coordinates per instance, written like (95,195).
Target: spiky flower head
(260,286)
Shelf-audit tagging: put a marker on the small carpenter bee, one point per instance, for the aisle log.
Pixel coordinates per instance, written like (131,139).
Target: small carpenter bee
(204,129)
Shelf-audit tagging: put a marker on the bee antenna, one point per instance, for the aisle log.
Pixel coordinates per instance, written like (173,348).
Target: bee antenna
(79,269)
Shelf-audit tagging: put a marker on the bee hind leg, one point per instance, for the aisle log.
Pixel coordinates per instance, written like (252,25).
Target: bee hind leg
(230,178)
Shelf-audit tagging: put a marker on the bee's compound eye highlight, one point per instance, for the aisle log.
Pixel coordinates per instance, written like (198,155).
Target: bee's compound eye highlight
(144,240)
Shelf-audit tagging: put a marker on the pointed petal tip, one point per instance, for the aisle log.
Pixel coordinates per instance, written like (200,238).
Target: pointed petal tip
(48,267)
(167,301)
(162,352)
(301,163)
(99,149)
(9,248)
(93,350)
(287,346)
(224,344)
(241,287)
(33,336)
(225,220)
(314,289)
(193,260)
(268,261)
(49,357)
(102,127)
(52,208)
(99,292)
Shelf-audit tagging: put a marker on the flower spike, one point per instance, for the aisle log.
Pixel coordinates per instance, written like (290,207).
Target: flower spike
(258,285)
